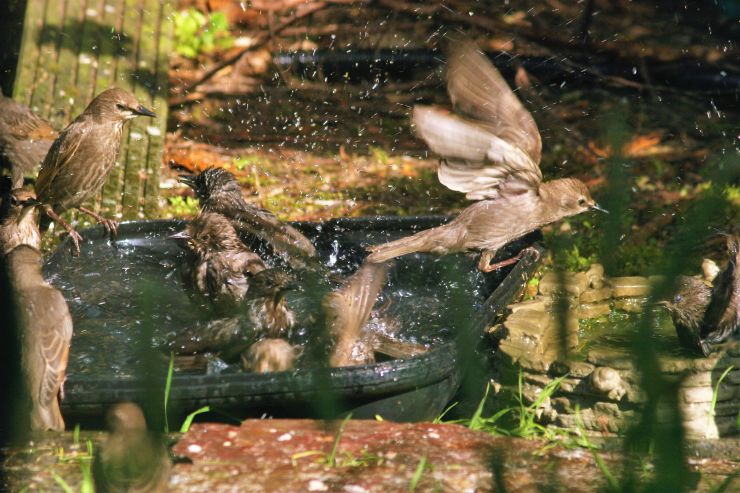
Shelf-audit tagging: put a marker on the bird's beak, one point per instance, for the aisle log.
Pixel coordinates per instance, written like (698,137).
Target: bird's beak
(142,111)
(31,203)
(599,208)
(188,180)
(181,236)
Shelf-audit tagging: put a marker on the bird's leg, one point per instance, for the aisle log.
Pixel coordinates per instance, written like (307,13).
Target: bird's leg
(76,237)
(485,266)
(110,225)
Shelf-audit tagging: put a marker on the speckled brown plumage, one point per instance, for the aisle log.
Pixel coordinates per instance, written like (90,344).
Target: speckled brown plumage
(83,155)
(218,191)
(25,139)
(263,313)
(218,267)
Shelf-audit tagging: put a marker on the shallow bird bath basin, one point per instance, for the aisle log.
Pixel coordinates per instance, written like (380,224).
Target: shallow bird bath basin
(125,296)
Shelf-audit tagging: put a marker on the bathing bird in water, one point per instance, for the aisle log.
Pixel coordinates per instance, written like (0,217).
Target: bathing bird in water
(218,191)
(81,158)
(490,150)
(218,267)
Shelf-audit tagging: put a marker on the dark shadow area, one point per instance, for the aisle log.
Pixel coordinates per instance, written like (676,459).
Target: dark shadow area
(145,78)
(109,41)
(11,29)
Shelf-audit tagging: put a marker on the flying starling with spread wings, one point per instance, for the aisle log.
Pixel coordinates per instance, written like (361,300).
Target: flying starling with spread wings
(490,150)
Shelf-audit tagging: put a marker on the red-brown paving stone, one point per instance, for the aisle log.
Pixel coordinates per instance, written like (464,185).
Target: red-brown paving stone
(275,456)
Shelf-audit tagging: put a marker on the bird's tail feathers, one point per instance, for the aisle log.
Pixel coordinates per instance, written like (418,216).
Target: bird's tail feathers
(403,246)
(47,417)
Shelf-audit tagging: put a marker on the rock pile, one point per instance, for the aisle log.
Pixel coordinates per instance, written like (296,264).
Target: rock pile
(600,379)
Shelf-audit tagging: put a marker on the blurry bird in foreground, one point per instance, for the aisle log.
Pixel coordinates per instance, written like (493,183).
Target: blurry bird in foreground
(82,156)
(131,459)
(705,316)
(218,267)
(25,138)
(17,222)
(45,328)
(347,311)
(264,313)
(491,152)
(218,191)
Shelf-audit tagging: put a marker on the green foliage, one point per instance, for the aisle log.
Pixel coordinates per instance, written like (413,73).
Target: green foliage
(195,33)
(519,420)
(182,206)
(85,461)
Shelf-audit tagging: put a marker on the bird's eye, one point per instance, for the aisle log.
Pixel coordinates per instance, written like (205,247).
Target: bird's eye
(581,201)
(121,106)
(206,237)
(678,298)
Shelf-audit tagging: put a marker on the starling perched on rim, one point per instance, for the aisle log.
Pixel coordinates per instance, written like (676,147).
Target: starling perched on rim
(264,314)
(82,156)
(25,138)
(131,459)
(704,316)
(218,267)
(45,328)
(490,151)
(347,311)
(17,222)
(218,191)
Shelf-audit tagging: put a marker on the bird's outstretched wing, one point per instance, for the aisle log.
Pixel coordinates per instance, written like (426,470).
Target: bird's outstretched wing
(348,309)
(492,145)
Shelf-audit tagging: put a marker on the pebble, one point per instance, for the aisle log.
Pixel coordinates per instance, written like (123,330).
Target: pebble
(574,284)
(630,305)
(629,286)
(594,295)
(536,305)
(593,310)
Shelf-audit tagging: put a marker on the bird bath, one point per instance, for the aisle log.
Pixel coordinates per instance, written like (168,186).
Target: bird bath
(125,297)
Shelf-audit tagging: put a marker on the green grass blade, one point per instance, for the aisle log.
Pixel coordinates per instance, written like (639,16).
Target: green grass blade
(189,419)
(63,484)
(475,420)
(610,479)
(417,474)
(716,389)
(331,460)
(167,387)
